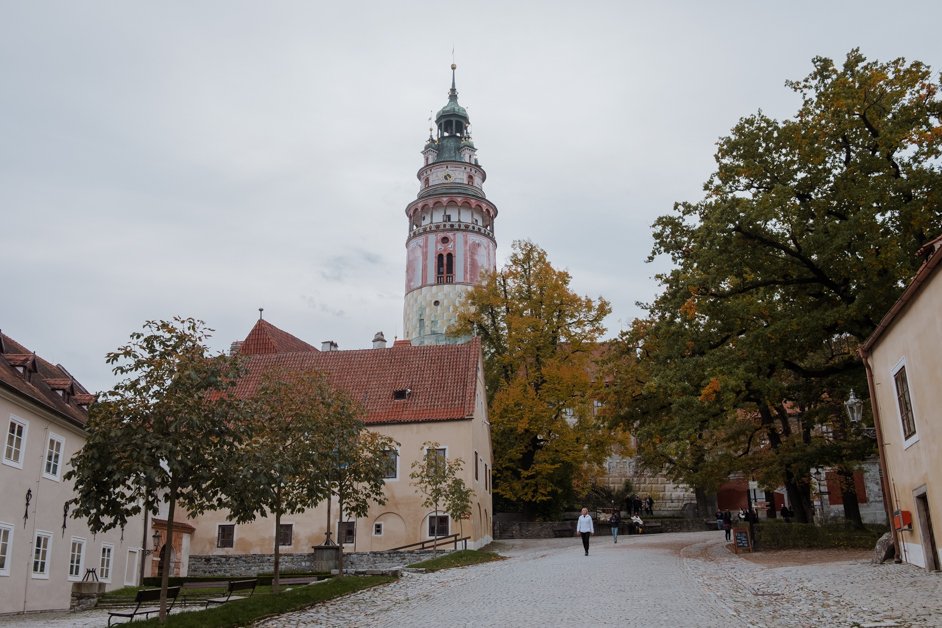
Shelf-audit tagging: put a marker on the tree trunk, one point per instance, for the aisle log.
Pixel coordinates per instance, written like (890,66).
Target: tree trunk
(706,503)
(165,576)
(799,499)
(275,584)
(339,540)
(849,496)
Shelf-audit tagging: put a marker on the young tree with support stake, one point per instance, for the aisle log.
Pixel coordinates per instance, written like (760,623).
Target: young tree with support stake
(437,478)
(160,435)
(358,462)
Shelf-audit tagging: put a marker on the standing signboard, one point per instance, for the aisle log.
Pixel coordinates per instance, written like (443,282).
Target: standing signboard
(742,540)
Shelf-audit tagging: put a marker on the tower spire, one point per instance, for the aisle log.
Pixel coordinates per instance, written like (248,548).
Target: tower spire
(453,93)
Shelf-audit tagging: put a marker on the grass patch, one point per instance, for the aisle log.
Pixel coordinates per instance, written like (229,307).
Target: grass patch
(461,558)
(781,535)
(246,612)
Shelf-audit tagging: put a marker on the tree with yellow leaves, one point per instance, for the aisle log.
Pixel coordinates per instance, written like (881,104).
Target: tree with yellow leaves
(540,342)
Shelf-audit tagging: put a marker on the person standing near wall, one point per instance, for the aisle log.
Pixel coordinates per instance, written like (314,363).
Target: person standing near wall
(586,528)
(615,521)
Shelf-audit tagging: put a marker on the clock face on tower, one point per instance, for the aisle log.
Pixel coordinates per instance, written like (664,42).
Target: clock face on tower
(447,176)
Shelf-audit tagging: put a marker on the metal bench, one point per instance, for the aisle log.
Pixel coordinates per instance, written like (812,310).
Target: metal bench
(146,597)
(235,585)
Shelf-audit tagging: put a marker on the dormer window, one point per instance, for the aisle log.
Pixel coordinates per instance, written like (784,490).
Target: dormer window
(402,393)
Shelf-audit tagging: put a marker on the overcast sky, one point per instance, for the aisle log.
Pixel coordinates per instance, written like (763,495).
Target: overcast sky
(210,158)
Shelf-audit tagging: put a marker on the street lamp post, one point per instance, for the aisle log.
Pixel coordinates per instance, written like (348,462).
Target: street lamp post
(854,407)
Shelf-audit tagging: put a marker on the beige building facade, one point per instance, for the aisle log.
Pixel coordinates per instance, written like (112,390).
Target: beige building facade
(904,362)
(43,551)
(413,394)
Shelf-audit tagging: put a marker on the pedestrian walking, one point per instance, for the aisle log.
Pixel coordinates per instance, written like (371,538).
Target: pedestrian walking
(586,528)
(614,521)
(649,503)
(728,524)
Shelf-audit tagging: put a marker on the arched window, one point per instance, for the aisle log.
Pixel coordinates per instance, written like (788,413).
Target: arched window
(440,268)
(470,179)
(426,182)
(449,264)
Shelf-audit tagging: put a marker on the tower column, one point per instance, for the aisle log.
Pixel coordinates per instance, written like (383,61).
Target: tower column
(450,240)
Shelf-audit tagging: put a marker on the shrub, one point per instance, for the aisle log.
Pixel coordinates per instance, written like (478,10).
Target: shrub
(781,535)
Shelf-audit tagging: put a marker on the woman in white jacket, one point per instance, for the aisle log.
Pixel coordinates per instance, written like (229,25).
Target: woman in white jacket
(585,527)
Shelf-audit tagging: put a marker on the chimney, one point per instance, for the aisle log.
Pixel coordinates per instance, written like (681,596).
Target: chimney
(379,341)
(329,345)
(235,347)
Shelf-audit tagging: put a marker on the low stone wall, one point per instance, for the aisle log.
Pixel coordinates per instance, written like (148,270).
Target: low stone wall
(322,560)
(362,561)
(548,529)
(530,529)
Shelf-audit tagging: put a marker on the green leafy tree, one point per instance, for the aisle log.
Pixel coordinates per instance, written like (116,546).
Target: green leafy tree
(540,343)
(282,467)
(438,478)
(356,458)
(162,434)
(807,231)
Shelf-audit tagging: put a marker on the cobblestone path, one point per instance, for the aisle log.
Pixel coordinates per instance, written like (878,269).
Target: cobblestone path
(653,580)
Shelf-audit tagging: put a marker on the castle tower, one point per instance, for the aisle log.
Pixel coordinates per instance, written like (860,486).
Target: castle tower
(451,227)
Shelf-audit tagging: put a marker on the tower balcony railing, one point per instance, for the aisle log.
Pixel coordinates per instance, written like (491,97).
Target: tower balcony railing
(445,279)
(453,226)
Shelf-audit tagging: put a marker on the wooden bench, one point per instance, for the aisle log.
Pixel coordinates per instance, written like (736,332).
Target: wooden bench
(235,585)
(146,597)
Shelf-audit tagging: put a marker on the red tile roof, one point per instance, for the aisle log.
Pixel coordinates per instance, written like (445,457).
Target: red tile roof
(266,338)
(39,385)
(441,379)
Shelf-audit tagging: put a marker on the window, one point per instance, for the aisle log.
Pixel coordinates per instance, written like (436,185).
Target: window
(905,403)
(476,466)
(438,525)
(76,558)
(487,478)
(377,529)
(41,549)
(391,471)
(53,466)
(285,532)
(16,439)
(6,548)
(225,535)
(346,531)
(104,565)
(436,456)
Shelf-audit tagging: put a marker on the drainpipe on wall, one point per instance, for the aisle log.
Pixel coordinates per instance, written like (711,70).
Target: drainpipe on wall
(884,476)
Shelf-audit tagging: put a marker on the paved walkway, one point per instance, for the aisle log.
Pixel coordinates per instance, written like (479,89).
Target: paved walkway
(652,580)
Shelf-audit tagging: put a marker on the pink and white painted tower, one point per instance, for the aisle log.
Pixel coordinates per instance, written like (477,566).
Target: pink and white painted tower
(451,228)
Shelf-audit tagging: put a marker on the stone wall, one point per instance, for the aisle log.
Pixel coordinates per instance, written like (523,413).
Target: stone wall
(363,561)
(530,529)
(669,497)
(322,560)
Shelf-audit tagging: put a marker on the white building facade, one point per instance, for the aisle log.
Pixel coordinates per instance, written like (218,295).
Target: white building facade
(43,550)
